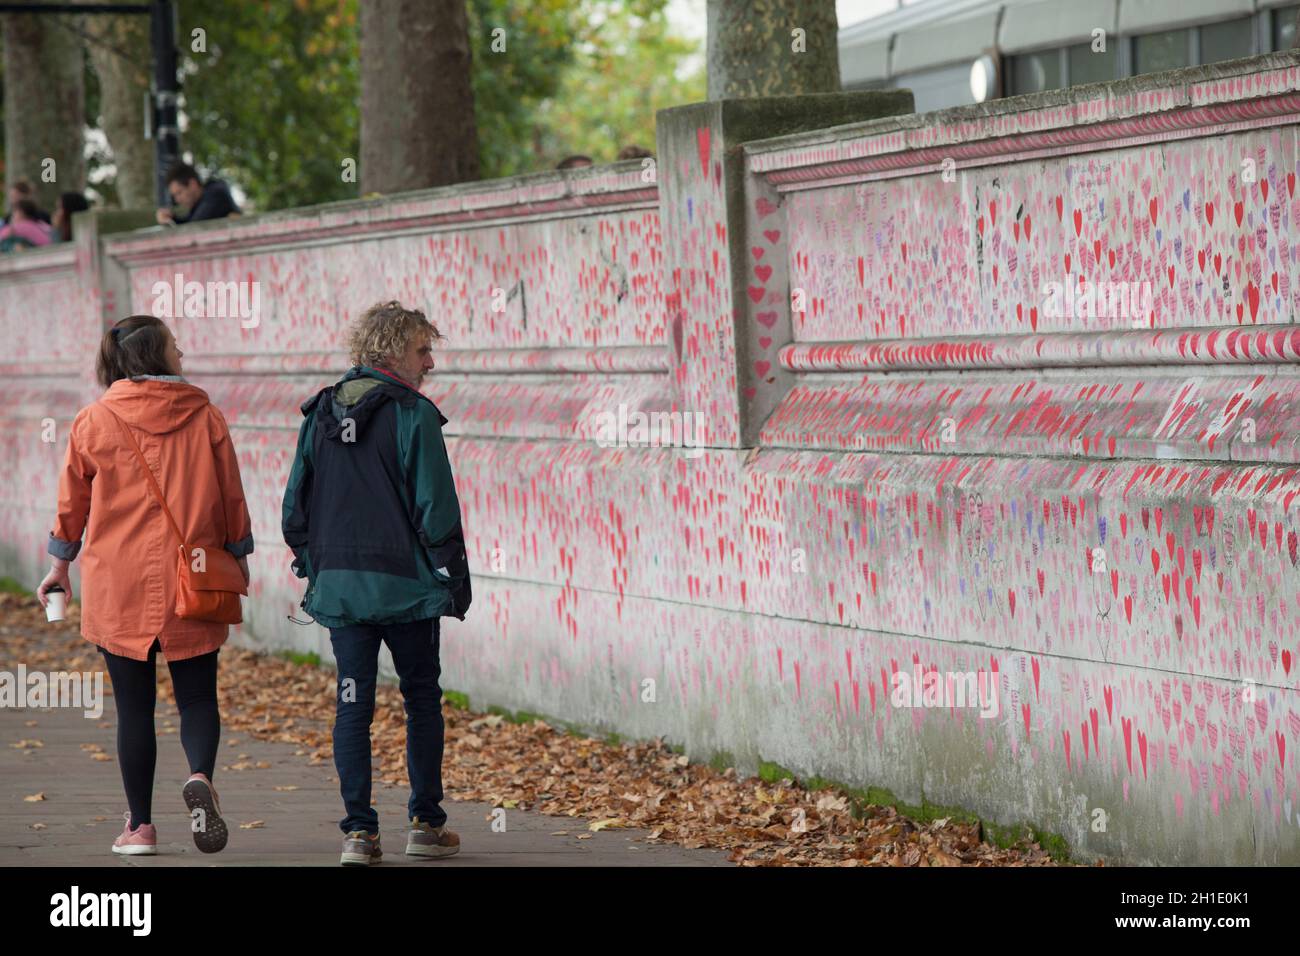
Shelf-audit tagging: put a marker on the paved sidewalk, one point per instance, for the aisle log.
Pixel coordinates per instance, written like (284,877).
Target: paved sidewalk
(83,807)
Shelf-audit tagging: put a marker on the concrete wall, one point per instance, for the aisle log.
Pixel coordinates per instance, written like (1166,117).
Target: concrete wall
(906,462)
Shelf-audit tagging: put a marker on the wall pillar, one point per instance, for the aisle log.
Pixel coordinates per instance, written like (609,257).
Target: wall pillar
(726,280)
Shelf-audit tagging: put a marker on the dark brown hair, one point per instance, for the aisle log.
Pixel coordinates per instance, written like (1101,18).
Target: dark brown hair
(182,173)
(136,345)
(70,203)
(575,161)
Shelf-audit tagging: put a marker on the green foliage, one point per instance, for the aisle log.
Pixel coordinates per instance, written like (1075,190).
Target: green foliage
(628,65)
(273,103)
(510,85)
(308,659)
(456,699)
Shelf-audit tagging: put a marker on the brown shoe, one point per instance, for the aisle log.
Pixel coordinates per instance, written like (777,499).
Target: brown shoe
(424,840)
(361,849)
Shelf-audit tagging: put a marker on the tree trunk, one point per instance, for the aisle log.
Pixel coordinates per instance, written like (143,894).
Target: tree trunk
(754,51)
(122,59)
(44,105)
(417,105)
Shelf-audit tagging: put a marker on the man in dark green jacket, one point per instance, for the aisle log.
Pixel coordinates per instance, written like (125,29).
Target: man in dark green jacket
(373,519)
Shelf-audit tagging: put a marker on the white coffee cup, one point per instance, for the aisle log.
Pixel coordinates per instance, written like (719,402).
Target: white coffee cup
(56,603)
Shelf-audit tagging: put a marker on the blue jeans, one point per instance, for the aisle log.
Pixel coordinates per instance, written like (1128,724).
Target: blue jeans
(414,648)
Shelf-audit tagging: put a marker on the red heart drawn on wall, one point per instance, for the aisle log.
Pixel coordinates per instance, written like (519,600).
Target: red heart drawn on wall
(702,136)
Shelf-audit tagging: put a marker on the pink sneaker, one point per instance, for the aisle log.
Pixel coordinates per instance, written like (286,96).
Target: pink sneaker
(209,829)
(142,841)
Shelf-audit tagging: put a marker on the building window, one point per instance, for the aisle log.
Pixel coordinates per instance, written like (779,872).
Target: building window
(1035,72)
(1154,52)
(1284,27)
(1229,40)
(1077,64)
(1085,66)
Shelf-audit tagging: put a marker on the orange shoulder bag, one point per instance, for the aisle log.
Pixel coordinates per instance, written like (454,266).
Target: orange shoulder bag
(208,580)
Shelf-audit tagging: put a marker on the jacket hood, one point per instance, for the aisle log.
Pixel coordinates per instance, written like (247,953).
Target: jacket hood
(357,396)
(157,406)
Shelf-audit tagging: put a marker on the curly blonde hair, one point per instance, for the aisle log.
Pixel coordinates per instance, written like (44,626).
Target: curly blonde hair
(383,331)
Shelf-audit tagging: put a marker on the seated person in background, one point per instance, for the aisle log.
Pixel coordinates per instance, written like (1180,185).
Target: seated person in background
(633,151)
(24,229)
(61,225)
(210,200)
(23,189)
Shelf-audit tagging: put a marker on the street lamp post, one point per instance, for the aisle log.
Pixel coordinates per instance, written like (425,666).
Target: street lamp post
(162,34)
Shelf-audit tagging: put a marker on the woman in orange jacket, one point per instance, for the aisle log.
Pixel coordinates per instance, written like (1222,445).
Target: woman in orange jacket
(128,586)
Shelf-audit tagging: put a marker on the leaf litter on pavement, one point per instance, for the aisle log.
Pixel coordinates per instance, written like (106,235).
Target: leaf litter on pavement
(535,767)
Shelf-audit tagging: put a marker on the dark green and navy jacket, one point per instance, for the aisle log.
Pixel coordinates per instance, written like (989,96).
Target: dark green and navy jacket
(370,510)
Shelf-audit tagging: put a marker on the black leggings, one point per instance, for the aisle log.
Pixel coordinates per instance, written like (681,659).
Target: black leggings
(134,689)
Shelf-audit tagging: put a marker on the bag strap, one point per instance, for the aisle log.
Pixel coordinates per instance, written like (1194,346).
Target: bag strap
(148,473)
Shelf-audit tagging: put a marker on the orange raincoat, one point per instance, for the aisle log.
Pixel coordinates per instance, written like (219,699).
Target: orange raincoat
(128,569)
